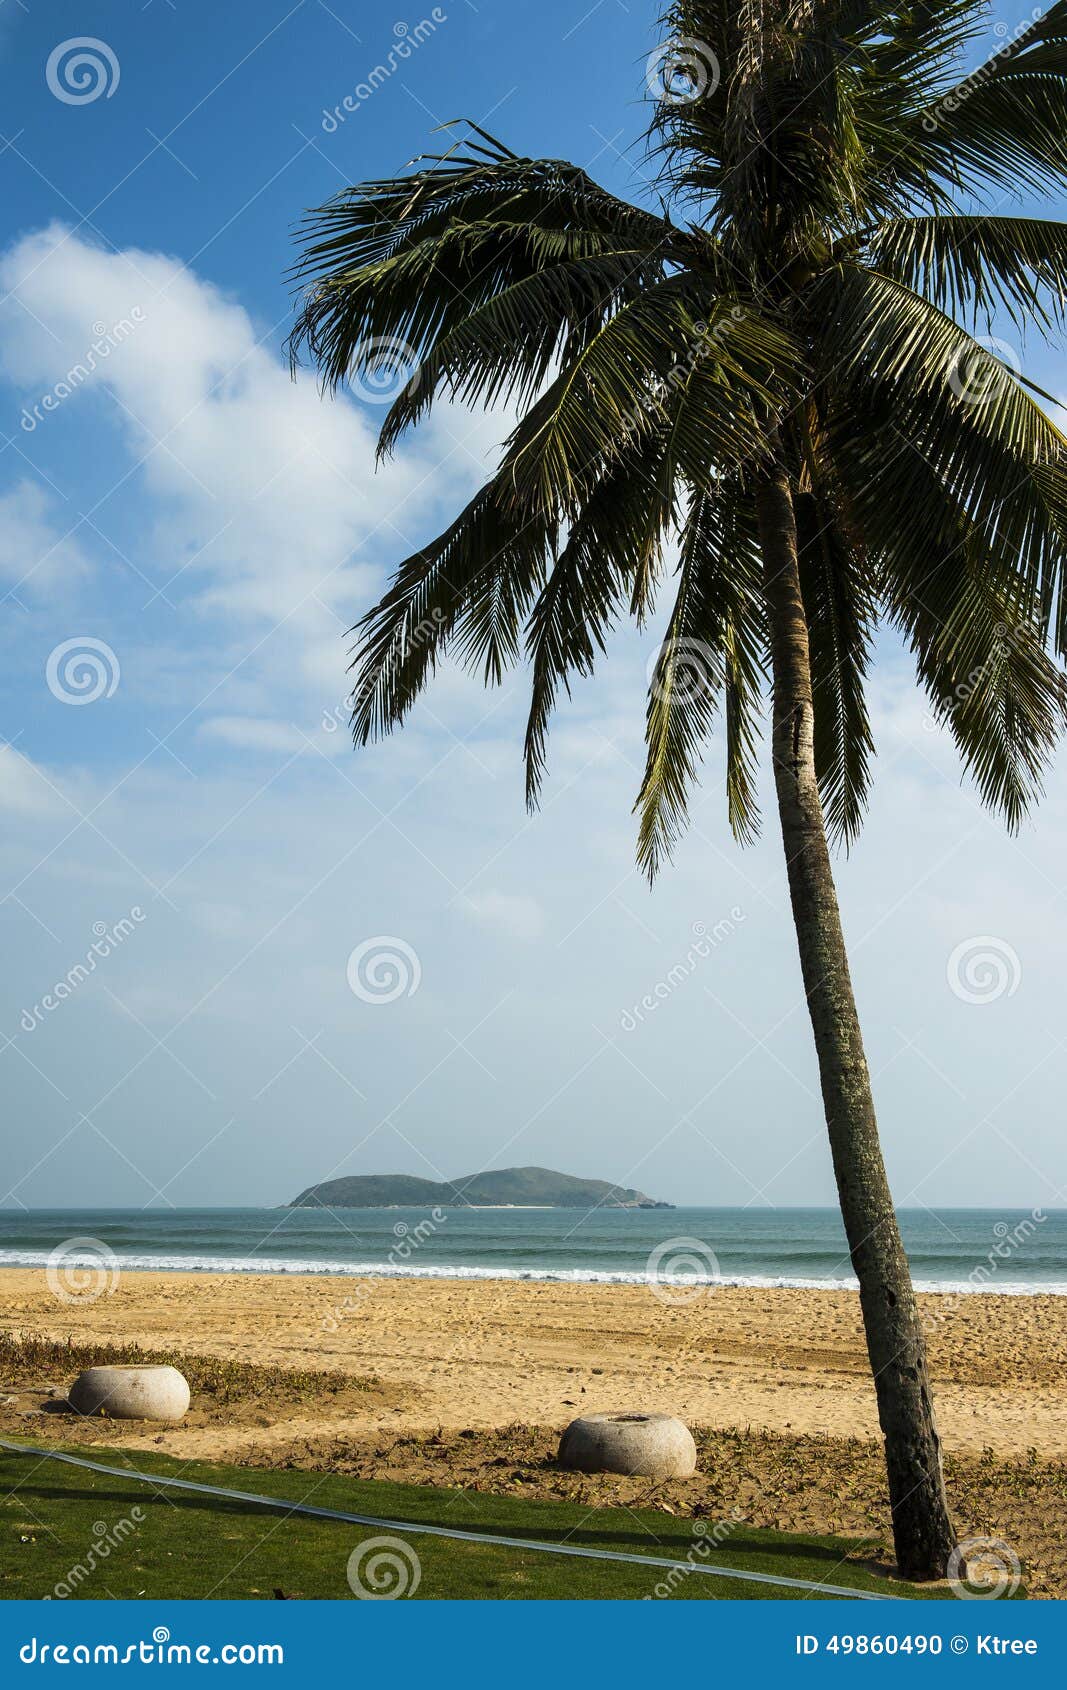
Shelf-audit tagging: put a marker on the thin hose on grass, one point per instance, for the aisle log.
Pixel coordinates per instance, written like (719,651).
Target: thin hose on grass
(417,1529)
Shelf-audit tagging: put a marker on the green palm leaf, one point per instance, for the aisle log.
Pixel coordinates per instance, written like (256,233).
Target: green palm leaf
(969,265)
(826,274)
(839,602)
(710,646)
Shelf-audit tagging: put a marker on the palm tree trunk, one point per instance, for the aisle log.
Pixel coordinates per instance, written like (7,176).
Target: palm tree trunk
(922,1529)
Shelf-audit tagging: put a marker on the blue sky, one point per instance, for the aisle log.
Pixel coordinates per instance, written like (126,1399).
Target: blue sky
(214,528)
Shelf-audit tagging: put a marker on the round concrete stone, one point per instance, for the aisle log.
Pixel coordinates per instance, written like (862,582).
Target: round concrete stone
(131,1393)
(655,1446)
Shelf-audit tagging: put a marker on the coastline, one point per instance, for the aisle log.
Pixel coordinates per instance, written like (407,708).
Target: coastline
(284,1267)
(1009,1253)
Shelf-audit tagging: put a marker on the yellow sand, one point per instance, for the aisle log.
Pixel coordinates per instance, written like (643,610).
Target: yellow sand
(491,1353)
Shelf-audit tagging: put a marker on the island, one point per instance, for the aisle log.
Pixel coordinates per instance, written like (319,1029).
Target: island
(502,1188)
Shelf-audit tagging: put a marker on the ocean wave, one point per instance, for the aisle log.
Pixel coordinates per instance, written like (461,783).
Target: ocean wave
(142,1263)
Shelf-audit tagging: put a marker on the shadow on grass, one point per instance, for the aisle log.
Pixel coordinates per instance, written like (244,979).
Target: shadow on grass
(672,1547)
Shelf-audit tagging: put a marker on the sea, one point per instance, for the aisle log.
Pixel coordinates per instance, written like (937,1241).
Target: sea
(959,1250)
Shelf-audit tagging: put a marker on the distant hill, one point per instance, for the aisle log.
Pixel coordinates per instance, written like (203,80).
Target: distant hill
(503,1187)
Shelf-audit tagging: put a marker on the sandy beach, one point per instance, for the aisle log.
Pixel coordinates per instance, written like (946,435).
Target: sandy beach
(486,1354)
(468,1383)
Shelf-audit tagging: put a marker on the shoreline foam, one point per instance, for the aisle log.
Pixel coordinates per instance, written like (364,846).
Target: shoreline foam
(289,1267)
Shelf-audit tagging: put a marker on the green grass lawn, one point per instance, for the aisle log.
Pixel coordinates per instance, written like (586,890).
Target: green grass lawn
(57,1518)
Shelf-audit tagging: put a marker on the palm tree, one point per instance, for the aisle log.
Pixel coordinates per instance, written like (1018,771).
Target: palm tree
(772,391)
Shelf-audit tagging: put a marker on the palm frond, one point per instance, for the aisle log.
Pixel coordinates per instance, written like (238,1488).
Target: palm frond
(618,532)
(970,265)
(470,587)
(992,682)
(635,372)
(966,615)
(504,349)
(408,259)
(826,299)
(840,612)
(961,407)
(1006,121)
(711,643)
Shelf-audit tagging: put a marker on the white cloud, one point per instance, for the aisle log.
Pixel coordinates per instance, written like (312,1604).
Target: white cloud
(25,789)
(266,494)
(36,553)
(253,733)
(513,916)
